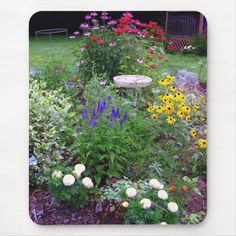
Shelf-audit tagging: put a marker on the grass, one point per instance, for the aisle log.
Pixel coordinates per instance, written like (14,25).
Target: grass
(43,50)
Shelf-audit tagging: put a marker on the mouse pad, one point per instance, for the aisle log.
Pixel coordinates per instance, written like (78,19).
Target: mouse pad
(117,117)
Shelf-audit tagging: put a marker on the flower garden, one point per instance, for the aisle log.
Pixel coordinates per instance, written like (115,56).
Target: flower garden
(95,156)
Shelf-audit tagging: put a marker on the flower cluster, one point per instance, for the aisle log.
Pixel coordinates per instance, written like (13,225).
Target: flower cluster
(146,203)
(102,106)
(69,179)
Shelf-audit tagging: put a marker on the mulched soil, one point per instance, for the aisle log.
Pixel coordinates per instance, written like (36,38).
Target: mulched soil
(44,210)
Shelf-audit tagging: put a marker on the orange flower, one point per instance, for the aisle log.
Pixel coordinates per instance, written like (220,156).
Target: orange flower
(172,188)
(183,188)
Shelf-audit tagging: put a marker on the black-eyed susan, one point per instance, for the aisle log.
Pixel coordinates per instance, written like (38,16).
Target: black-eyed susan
(150,109)
(187,118)
(154,116)
(196,108)
(180,114)
(193,133)
(160,109)
(202,119)
(187,109)
(173,89)
(202,143)
(169,109)
(170,120)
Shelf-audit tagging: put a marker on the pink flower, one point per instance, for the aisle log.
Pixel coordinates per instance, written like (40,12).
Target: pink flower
(128,14)
(88,17)
(86,33)
(76,33)
(112,44)
(112,22)
(93,14)
(84,26)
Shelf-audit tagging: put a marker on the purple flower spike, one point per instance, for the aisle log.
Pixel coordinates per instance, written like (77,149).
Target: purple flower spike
(124,118)
(94,123)
(84,113)
(94,113)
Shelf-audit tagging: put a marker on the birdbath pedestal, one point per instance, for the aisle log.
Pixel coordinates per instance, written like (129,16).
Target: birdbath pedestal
(133,82)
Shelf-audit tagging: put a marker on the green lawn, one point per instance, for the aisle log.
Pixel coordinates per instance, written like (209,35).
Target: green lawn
(61,49)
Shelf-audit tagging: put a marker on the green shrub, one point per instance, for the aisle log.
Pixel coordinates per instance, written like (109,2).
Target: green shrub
(200,44)
(49,129)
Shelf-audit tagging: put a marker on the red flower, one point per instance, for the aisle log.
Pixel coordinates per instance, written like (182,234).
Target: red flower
(118,31)
(183,188)
(150,51)
(159,31)
(163,39)
(94,38)
(155,39)
(152,25)
(152,66)
(171,47)
(101,42)
(86,46)
(172,188)
(159,57)
(147,34)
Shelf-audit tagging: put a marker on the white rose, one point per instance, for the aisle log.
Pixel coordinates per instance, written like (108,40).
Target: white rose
(172,207)
(79,168)
(163,223)
(56,174)
(162,194)
(76,173)
(154,183)
(68,180)
(146,203)
(87,182)
(125,204)
(131,192)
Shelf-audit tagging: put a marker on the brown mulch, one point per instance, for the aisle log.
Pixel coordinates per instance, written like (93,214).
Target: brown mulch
(45,210)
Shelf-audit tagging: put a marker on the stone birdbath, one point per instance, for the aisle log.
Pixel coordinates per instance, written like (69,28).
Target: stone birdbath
(134,82)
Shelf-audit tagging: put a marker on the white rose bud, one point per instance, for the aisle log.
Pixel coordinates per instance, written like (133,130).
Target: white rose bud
(76,173)
(56,174)
(146,203)
(154,183)
(68,180)
(131,192)
(125,204)
(80,168)
(87,182)
(163,223)
(162,194)
(172,207)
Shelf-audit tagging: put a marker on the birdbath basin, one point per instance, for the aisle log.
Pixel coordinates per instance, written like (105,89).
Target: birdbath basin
(134,82)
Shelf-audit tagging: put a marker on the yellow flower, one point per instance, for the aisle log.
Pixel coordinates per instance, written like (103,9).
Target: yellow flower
(187,109)
(154,116)
(150,109)
(162,82)
(202,119)
(193,133)
(170,120)
(160,109)
(169,109)
(205,131)
(202,143)
(196,107)
(187,118)
(173,89)
(180,114)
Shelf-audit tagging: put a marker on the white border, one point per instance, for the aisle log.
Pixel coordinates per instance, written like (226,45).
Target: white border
(14,17)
